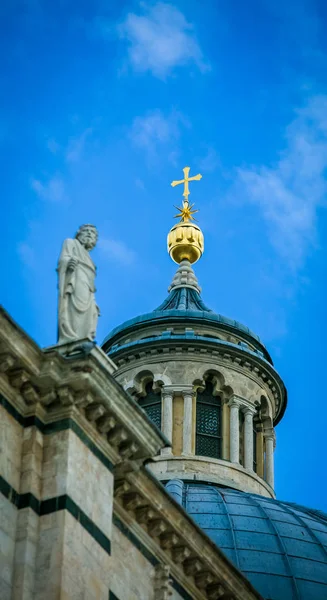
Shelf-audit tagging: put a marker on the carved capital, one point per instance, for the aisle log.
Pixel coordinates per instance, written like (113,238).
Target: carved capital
(167,391)
(269,434)
(249,411)
(235,401)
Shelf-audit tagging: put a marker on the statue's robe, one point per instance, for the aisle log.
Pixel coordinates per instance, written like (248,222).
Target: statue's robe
(77,309)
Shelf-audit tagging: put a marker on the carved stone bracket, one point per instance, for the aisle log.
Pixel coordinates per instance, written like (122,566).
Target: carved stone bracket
(161,525)
(80,385)
(162,582)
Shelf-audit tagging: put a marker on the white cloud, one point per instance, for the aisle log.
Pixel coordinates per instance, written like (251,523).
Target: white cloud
(155,129)
(26,255)
(53,190)
(160,39)
(76,146)
(290,193)
(210,161)
(117,251)
(52,146)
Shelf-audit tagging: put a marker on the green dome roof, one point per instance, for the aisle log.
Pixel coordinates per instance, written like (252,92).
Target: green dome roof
(280,547)
(184,303)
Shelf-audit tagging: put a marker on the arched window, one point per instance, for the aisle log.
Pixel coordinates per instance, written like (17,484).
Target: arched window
(208,423)
(151,403)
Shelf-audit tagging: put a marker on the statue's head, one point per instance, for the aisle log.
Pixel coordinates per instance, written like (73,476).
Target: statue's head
(87,235)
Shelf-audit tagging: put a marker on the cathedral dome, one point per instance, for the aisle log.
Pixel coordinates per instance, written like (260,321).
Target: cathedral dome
(279,546)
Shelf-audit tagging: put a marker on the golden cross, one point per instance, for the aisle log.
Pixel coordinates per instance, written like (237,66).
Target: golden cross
(186,179)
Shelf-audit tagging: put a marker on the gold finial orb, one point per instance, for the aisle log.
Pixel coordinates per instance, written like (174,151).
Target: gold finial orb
(185,240)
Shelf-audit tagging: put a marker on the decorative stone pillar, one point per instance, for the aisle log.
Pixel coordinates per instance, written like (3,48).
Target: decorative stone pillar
(270,440)
(188,420)
(234,405)
(167,417)
(248,438)
(260,451)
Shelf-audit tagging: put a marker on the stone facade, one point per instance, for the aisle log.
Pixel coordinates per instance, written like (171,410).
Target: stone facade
(180,349)
(81,514)
(249,387)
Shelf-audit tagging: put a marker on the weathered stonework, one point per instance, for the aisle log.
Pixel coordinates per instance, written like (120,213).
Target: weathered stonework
(80,512)
(201,468)
(257,391)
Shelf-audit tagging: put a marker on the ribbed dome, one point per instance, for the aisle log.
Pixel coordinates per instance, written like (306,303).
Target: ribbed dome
(280,547)
(184,303)
(183,298)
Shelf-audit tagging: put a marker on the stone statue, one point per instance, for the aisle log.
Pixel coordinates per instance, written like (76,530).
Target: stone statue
(77,311)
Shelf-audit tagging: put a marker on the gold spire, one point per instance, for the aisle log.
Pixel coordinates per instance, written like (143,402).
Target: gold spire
(185,239)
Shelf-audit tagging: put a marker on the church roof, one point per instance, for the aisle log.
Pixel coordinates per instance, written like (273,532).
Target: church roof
(280,547)
(183,298)
(184,303)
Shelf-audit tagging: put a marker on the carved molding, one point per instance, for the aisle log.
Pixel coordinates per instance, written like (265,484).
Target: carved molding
(46,381)
(182,544)
(162,582)
(254,366)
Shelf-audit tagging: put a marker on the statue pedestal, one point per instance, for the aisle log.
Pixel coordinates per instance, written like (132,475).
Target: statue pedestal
(81,348)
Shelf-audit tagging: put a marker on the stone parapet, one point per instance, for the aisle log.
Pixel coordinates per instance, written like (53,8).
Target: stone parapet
(211,470)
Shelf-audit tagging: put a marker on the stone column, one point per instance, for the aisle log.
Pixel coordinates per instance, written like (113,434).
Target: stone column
(187,421)
(234,431)
(269,439)
(260,451)
(248,438)
(167,418)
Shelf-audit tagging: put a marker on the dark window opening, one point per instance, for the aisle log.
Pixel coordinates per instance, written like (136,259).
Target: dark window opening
(208,423)
(151,404)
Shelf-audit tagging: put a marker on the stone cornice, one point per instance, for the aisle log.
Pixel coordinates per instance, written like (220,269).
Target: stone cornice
(177,390)
(239,359)
(185,468)
(46,384)
(195,561)
(243,404)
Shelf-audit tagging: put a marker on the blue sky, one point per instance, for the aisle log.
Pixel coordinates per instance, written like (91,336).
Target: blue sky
(105,103)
